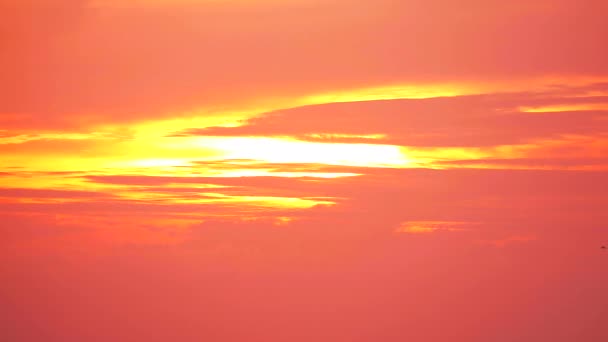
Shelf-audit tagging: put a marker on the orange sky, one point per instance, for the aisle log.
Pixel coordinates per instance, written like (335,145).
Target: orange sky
(303,170)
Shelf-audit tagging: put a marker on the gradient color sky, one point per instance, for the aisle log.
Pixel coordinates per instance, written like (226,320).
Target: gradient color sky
(303,170)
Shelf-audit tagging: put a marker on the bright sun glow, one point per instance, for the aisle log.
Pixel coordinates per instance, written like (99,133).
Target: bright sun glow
(276,150)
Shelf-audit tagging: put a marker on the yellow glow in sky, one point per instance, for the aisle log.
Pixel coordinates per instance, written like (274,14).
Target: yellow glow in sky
(275,150)
(565,108)
(390,93)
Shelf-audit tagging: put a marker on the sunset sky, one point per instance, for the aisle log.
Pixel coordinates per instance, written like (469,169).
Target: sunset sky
(303,170)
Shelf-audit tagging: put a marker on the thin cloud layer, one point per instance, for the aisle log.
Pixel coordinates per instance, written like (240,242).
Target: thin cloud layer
(479,120)
(75,63)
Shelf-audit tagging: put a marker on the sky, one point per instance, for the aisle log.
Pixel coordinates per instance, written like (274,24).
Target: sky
(303,170)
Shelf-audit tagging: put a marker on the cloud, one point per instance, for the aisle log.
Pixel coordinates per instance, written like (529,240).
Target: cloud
(70,65)
(470,121)
(205,263)
(533,163)
(426,227)
(50,193)
(389,197)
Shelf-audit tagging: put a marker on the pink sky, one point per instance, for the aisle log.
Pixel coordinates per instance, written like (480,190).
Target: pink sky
(303,170)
